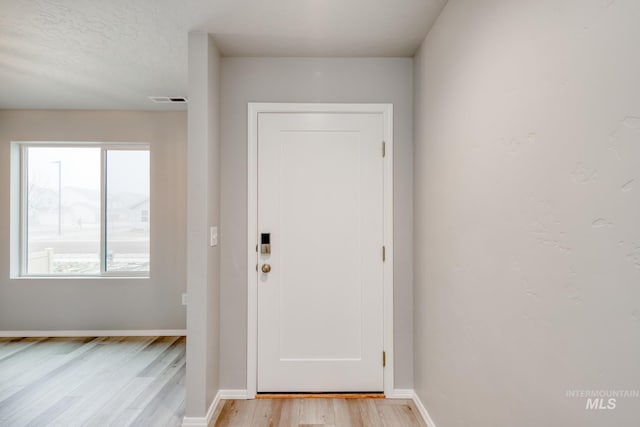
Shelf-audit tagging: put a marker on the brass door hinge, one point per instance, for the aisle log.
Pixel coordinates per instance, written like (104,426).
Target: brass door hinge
(384,359)
(384,149)
(384,253)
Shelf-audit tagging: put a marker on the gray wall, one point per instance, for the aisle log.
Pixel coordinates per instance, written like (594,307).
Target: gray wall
(308,80)
(527,205)
(203,211)
(86,304)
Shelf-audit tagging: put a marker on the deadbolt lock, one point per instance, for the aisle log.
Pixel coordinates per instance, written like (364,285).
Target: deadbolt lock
(265,243)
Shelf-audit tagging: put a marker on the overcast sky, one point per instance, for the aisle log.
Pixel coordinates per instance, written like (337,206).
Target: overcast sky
(127,170)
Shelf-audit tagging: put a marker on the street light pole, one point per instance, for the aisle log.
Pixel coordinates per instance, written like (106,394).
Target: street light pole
(59,162)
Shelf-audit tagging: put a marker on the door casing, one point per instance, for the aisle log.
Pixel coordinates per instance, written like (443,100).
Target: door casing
(253,110)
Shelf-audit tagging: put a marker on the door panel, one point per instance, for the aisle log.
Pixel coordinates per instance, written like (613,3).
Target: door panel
(320,182)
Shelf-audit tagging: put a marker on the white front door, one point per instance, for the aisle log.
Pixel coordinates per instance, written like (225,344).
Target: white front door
(320,280)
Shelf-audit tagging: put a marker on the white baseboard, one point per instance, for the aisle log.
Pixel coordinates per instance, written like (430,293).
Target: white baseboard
(423,411)
(401,393)
(206,420)
(96,333)
(234,394)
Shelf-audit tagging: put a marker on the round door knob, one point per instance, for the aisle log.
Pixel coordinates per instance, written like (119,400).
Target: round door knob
(266,268)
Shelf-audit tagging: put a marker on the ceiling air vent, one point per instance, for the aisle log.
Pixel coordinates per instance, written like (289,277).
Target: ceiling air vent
(168,99)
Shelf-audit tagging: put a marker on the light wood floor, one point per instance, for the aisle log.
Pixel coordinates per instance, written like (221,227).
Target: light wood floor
(133,381)
(139,381)
(319,412)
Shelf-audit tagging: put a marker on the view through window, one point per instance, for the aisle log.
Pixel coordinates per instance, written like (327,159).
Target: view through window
(86,210)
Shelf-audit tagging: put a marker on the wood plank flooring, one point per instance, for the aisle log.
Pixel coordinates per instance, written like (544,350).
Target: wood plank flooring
(106,381)
(139,381)
(316,412)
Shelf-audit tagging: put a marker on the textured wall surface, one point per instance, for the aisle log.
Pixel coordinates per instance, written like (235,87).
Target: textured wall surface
(308,80)
(85,303)
(203,211)
(527,212)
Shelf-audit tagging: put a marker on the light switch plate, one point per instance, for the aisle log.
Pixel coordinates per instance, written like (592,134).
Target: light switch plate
(184,298)
(213,236)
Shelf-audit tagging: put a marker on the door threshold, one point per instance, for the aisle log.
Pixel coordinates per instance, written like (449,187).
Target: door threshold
(320,396)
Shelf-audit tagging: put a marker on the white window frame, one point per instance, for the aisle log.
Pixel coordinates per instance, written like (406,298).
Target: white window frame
(104,147)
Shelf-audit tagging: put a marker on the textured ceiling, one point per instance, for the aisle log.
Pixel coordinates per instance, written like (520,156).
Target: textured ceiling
(99,54)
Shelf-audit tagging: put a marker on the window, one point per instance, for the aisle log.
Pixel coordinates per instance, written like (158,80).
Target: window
(85,209)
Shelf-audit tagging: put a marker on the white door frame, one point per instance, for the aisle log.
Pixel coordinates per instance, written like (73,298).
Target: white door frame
(252,226)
